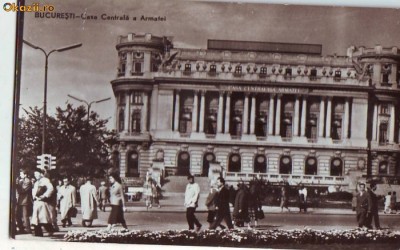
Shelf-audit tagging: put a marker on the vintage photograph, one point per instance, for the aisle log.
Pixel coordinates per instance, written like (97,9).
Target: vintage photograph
(206,123)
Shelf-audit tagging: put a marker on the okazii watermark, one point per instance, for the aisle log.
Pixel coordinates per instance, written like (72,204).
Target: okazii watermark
(35,7)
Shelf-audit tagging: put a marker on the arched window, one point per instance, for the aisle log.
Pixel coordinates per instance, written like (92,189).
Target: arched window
(183,163)
(336,167)
(311,166)
(207,159)
(285,165)
(132,169)
(235,163)
(383,167)
(260,164)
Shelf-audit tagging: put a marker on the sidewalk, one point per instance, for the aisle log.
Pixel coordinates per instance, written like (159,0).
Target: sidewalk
(174,203)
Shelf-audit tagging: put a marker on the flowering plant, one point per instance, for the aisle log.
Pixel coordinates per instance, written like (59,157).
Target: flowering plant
(236,237)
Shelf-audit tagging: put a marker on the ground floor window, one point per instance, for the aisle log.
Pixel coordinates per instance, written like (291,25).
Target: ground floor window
(311,166)
(183,163)
(207,159)
(383,167)
(336,167)
(285,165)
(234,163)
(132,164)
(260,164)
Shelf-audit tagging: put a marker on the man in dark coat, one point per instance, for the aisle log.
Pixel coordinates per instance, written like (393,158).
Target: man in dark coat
(363,206)
(222,205)
(373,215)
(25,202)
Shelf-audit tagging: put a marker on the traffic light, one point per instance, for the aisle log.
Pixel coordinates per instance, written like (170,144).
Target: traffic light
(46,161)
(39,161)
(53,162)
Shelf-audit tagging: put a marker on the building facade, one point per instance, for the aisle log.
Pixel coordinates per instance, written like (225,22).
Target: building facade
(279,111)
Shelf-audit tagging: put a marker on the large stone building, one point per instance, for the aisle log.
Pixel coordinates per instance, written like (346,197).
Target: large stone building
(277,110)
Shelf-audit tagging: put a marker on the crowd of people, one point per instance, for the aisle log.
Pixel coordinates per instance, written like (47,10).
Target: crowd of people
(40,200)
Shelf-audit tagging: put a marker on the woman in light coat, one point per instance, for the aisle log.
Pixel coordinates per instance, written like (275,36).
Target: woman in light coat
(89,202)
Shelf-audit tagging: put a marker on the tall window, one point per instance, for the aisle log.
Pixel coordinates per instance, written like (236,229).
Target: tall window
(383,133)
(261,128)
(311,166)
(213,68)
(384,109)
(260,164)
(188,67)
(337,129)
(207,159)
(312,129)
(132,164)
(183,163)
(287,131)
(285,165)
(136,121)
(336,167)
(235,164)
(137,97)
(121,119)
(122,64)
(238,70)
(288,72)
(338,75)
(137,63)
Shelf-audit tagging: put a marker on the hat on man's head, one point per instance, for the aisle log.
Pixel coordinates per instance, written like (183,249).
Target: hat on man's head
(190,177)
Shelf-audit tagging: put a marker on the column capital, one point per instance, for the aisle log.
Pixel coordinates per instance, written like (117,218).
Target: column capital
(247,94)
(279,96)
(272,95)
(196,91)
(203,92)
(221,92)
(177,91)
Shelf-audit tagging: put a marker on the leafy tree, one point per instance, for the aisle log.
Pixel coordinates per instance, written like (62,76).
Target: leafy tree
(80,142)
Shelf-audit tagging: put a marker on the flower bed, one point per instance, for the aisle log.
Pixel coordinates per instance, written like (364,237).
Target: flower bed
(246,238)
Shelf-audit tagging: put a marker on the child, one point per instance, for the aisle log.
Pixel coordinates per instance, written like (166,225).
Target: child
(387,203)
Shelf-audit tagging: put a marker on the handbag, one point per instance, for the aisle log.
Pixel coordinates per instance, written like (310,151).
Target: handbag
(260,214)
(72,212)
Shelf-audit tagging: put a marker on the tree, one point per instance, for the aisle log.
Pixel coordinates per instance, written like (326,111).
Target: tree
(80,145)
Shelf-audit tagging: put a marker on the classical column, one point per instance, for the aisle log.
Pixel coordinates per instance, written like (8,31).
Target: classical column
(202,107)
(177,110)
(321,117)
(271,115)
(154,108)
(346,119)
(278,116)
(296,116)
(220,112)
(143,121)
(227,112)
(195,108)
(328,118)
(375,123)
(303,117)
(253,115)
(245,113)
(392,123)
(127,112)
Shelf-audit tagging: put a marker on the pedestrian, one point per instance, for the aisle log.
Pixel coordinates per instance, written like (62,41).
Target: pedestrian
(210,204)
(155,194)
(24,202)
(89,202)
(393,202)
(284,199)
(67,201)
(147,192)
(254,205)
(222,205)
(302,198)
(53,201)
(388,198)
(117,203)
(192,195)
(42,213)
(354,201)
(103,193)
(373,215)
(363,206)
(240,209)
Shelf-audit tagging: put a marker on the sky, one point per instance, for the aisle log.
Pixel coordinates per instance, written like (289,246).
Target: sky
(86,72)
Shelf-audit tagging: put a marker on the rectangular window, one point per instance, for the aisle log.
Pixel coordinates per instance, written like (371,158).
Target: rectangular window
(137,68)
(383,133)
(263,72)
(238,70)
(137,97)
(122,64)
(384,110)
(385,78)
(288,72)
(213,68)
(136,121)
(313,74)
(338,75)
(188,67)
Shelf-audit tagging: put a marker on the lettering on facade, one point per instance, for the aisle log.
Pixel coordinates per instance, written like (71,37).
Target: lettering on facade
(264,89)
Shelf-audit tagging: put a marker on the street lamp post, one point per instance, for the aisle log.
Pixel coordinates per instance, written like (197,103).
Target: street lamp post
(89,104)
(45,83)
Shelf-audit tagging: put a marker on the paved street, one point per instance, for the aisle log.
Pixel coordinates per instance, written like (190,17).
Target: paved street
(161,219)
